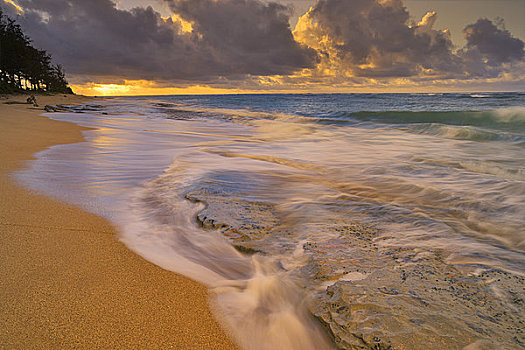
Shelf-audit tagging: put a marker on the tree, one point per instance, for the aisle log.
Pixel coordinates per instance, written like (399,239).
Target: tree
(23,67)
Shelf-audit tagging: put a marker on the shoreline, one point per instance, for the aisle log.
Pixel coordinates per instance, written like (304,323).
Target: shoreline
(67,280)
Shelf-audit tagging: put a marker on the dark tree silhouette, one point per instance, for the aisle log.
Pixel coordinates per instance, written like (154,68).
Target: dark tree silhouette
(23,67)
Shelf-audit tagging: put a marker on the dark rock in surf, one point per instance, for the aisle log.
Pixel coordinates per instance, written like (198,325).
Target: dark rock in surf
(32,100)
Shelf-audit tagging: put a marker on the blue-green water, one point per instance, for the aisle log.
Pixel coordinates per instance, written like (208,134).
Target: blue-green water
(394,219)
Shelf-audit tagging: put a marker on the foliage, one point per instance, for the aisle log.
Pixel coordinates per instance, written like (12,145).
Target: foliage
(23,67)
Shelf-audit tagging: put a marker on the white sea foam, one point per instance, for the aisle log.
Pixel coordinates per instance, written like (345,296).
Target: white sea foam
(298,191)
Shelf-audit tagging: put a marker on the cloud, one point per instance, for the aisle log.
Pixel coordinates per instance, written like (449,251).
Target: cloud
(96,38)
(249,44)
(495,44)
(10,8)
(376,39)
(246,35)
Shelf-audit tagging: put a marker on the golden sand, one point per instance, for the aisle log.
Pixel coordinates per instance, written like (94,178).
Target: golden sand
(65,280)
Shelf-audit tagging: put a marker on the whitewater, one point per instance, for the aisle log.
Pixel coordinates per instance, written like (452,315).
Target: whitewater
(318,221)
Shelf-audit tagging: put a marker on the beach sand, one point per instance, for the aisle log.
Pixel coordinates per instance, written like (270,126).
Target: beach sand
(66,281)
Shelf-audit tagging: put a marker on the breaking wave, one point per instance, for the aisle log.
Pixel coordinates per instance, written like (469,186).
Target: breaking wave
(501,119)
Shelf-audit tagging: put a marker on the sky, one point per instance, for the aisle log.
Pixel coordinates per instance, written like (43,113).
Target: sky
(148,47)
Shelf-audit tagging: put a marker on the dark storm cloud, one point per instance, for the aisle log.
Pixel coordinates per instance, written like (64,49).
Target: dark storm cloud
(95,38)
(372,38)
(249,34)
(234,39)
(495,44)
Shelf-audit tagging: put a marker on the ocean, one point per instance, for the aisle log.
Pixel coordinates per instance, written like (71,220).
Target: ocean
(355,221)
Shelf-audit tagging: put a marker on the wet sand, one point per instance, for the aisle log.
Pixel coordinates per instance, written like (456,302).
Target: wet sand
(66,281)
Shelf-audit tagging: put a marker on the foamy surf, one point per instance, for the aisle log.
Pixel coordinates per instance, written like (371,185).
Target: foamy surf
(260,302)
(313,219)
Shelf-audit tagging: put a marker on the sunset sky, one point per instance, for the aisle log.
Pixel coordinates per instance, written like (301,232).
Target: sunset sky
(122,47)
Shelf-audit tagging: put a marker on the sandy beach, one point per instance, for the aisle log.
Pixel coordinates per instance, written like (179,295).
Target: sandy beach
(66,280)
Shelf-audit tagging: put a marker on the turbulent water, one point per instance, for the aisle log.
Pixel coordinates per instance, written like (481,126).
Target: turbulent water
(356,221)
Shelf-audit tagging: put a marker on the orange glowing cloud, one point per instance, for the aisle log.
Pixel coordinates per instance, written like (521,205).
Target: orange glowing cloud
(15,5)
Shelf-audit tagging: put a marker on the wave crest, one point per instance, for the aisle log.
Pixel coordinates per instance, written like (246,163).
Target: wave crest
(512,118)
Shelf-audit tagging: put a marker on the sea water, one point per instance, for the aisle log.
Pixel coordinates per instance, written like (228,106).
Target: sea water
(318,220)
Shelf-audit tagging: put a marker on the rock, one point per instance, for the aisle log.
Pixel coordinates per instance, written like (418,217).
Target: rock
(32,100)
(49,108)
(60,108)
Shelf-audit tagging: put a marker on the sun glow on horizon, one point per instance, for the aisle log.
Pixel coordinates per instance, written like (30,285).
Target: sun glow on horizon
(110,89)
(144,88)
(149,88)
